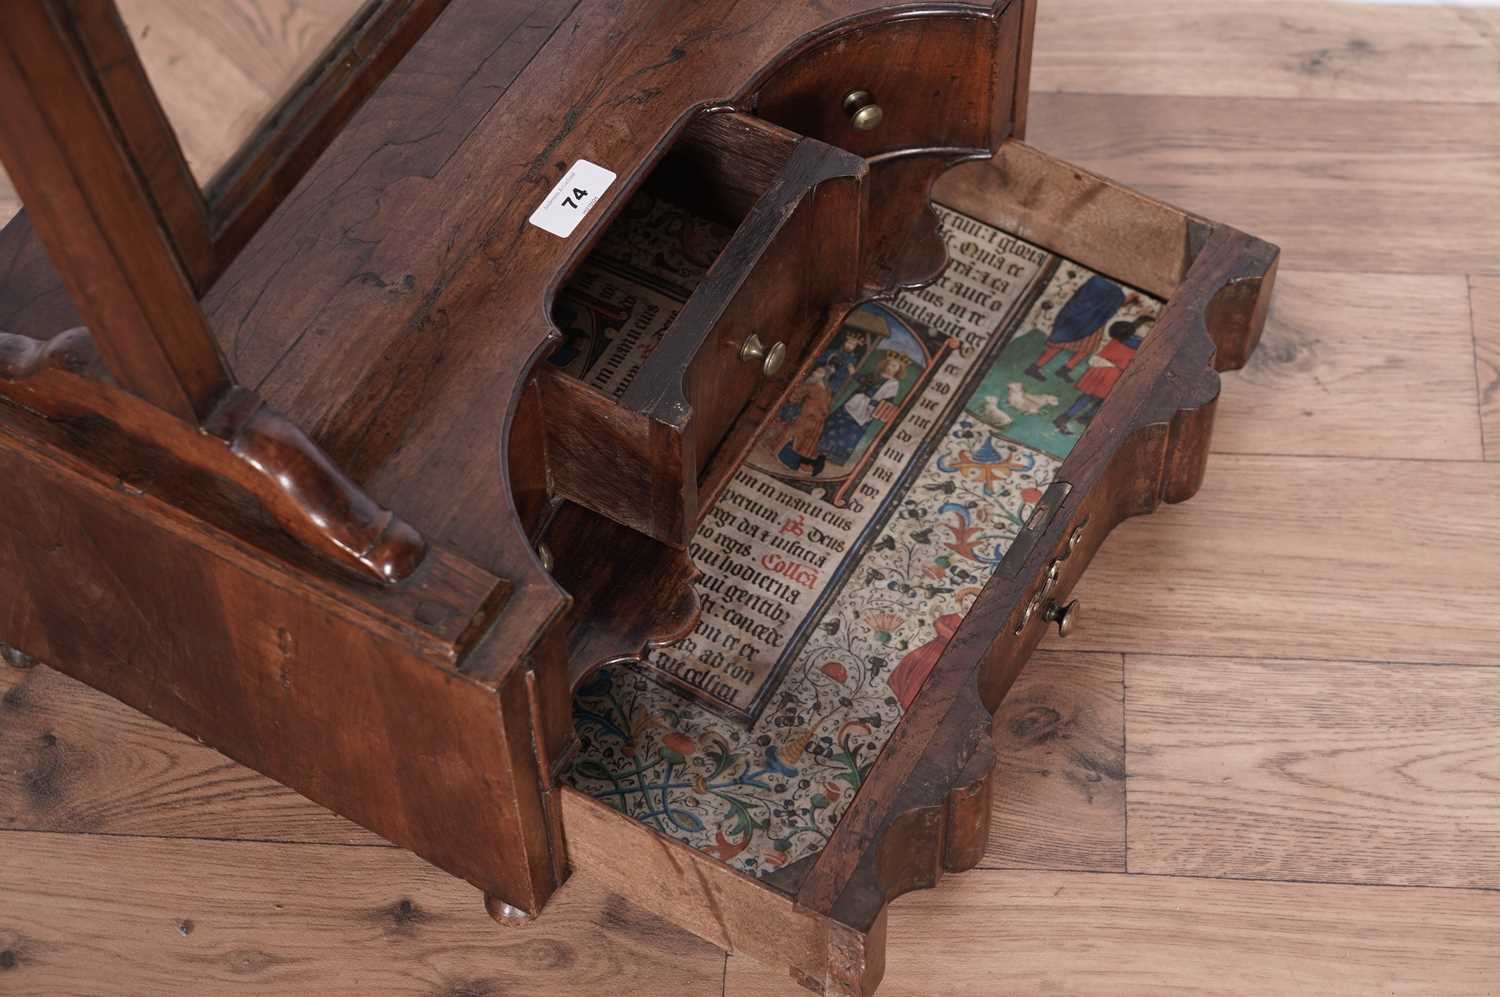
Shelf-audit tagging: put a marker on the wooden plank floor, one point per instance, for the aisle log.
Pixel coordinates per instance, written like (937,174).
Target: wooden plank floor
(1269,763)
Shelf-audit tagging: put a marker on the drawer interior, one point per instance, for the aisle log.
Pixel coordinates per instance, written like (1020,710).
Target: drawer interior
(622,301)
(878,494)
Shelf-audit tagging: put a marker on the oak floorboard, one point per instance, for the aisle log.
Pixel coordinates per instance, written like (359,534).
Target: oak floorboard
(1026,934)
(87,915)
(1382,186)
(74,759)
(1342,355)
(1288,50)
(1314,770)
(1484,301)
(1293,557)
(1060,781)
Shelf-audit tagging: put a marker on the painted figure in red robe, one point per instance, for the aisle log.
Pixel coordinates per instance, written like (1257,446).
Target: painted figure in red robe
(906,681)
(1105,368)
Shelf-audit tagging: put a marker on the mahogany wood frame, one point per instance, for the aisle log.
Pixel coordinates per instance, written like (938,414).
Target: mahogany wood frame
(93,117)
(414,671)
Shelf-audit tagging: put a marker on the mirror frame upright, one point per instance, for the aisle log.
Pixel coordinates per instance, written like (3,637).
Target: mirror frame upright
(137,243)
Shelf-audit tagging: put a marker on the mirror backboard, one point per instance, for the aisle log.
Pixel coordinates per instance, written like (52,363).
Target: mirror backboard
(221,68)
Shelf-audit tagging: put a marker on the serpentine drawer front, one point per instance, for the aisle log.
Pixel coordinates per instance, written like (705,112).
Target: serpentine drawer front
(666,444)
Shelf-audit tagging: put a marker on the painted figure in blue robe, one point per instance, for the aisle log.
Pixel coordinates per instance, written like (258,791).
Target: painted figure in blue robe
(843,359)
(873,402)
(1079,326)
(587,325)
(806,410)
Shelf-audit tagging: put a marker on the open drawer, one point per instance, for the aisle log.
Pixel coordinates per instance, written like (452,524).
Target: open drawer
(708,287)
(912,515)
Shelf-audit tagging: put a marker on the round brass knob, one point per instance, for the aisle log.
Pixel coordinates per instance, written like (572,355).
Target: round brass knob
(774,359)
(1065,616)
(867,118)
(864,113)
(771,359)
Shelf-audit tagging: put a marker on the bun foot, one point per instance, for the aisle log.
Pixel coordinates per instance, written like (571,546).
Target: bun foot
(15,657)
(504,913)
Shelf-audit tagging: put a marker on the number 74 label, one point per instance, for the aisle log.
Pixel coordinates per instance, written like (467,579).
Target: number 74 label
(571,199)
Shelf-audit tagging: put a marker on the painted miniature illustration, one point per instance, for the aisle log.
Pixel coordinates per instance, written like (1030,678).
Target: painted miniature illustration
(850,398)
(1066,355)
(589,326)
(844,556)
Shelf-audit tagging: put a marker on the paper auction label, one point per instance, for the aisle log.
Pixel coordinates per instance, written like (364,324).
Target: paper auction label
(575,194)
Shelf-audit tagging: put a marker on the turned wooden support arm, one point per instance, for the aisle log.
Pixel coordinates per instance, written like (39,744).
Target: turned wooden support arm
(311,497)
(242,440)
(22,357)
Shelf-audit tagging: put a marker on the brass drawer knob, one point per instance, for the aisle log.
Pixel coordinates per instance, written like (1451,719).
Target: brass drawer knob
(1065,616)
(864,113)
(771,359)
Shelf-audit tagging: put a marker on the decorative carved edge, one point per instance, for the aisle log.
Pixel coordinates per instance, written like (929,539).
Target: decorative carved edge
(22,357)
(926,808)
(300,488)
(856,960)
(311,496)
(913,253)
(614,617)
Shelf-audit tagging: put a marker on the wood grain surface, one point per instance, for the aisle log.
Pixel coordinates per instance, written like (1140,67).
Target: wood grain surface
(1098,935)
(1268,755)
(1335,345)
(75,760)
(222,65)
(1060,784)
(1296,557)
(1284,49)
(1484,301)
(1328,771)
(96,915)
(1356,185)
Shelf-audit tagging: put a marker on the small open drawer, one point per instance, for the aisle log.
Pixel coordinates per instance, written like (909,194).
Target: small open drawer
(708,287)
(913,512)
